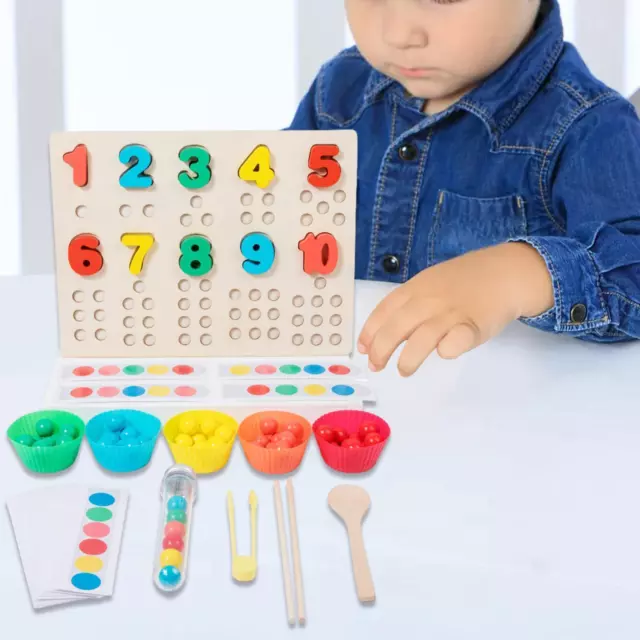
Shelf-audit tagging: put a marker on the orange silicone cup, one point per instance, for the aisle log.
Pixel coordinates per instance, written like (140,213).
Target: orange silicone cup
(272,461)
(350,460)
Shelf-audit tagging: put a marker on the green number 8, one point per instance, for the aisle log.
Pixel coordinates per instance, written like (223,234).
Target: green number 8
(195,258)
(198,160)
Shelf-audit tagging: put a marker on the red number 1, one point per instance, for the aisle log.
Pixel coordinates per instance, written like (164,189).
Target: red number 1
(78,160)
(326,169)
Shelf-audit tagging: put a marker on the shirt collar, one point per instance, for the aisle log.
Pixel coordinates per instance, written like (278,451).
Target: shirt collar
(503,95)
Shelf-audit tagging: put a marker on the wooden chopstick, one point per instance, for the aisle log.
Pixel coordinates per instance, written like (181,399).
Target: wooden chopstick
(284,555)
(295,552)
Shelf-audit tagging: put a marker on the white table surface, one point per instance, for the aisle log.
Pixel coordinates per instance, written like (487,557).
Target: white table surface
(505,506)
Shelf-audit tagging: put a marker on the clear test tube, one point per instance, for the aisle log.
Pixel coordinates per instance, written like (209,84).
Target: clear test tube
(178,496)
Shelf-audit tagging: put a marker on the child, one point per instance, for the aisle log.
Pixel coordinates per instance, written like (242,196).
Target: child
(498,179)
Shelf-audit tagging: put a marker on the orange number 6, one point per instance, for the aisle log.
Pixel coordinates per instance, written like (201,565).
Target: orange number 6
(84,257)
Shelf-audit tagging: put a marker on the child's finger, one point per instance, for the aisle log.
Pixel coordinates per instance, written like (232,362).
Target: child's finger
(380,315)
(423,341)
(462,338)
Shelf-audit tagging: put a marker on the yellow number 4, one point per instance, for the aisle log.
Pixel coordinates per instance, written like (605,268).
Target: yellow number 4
(142,243)
(257,167)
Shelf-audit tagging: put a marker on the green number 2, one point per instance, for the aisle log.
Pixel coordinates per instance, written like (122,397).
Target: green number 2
(195,256)
(198,160)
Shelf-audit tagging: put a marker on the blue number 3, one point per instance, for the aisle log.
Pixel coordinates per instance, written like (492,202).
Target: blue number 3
(139,159)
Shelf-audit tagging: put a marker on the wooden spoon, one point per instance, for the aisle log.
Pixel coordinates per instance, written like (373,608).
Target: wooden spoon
(352,503)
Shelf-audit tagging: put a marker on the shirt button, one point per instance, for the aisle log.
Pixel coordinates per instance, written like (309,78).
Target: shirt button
(578,313)
(408,152)
(391,264)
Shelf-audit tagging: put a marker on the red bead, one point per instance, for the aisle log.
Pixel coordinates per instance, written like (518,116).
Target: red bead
(340,435)
(372,438)
(173,543)
(326,433)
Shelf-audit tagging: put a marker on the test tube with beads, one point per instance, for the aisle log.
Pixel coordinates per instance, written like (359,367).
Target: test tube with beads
(172,548)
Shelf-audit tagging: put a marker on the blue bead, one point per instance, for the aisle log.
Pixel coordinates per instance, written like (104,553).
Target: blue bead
(115,423)
(169,576)
(177,503)
(109,438)
(130,433)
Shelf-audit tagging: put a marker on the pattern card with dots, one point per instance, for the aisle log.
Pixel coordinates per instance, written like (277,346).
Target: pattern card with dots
(261,370)
(174,245)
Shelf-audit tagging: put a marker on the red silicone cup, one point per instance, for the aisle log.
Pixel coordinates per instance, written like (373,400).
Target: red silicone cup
(350,460)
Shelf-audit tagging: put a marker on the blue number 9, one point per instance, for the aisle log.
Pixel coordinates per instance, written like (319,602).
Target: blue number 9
(260,253)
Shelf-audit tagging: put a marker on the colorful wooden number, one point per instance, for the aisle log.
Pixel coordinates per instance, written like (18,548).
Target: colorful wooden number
(257,167)
(83,254)
(326,170)
(198,160)
(78,160)
(260,253)
(320,253)
(138,159)
(141,243)
(195,256)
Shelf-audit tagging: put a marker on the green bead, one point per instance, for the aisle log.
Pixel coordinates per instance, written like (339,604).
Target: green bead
(25,440)
(64,439)
(69,431)
(44,442)
(176,516)
(44,428)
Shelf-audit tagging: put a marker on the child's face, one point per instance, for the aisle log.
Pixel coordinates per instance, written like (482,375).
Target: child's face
(439,49)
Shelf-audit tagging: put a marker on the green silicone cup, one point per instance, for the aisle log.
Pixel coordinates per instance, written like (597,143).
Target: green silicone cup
(46,459)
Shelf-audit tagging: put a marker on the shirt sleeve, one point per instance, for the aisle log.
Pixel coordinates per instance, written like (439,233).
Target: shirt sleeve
(594,192)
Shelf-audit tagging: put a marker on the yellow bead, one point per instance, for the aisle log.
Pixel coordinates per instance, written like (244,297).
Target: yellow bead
(225,433)
(215,441)
(171,558)
(188,426)
(208,426)
(184,440)
(198,438)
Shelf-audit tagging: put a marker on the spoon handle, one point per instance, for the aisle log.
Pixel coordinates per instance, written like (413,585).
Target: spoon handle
(361,572)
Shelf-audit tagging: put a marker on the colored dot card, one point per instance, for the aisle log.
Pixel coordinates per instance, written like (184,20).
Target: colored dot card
(204,244)
(157,369)
(282,390)
(313,369)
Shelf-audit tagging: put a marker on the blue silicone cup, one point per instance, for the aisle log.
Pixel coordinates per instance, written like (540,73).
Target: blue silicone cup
(124,458)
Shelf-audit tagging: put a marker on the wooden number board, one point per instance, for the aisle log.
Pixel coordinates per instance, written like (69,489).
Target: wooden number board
(205,244)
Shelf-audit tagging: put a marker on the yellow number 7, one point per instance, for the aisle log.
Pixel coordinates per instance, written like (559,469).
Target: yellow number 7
(142,243)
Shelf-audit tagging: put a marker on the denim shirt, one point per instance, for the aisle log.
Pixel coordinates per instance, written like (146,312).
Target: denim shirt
(542,152)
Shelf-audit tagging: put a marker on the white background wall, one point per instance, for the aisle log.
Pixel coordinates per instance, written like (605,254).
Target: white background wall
(160,64)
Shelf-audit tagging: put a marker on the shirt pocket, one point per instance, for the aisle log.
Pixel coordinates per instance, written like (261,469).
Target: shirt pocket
(463,224)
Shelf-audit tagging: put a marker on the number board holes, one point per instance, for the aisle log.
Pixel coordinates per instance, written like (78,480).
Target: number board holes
(234,294)
(235,314)
(79,316)
(273,333)
(127,303)
(246,218)
(254,295)
(323,207)
(148,210)
(184,304)
(298,320)
(297,339)
(100,315)
(147,304)
(98,295)
(335,339)
(317,301)
(316,339)
(78,296)
(205,304)
(184,339)
(268,217)
(273,295)
(320,283)
(206,339)
(268,199)
(298,301)
(205,285)
(339,219)
(196,202)
(316,321)
(339,196)
(184,322)
(129,322)
(129,340)
(336,301)
(186,220)
(306,197)
(246,199)
(148,322)
(138,286)
(273,314)
(255,314)
(336,320)
(125,210)
(235,334)
(184,285)
(306,220)
(205,322)
(81,211)
(80,335)
(255,333)
(101,335)
(149,340)
(207,219)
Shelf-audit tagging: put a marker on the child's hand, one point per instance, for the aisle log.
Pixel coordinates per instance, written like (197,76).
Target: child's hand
(457,305)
